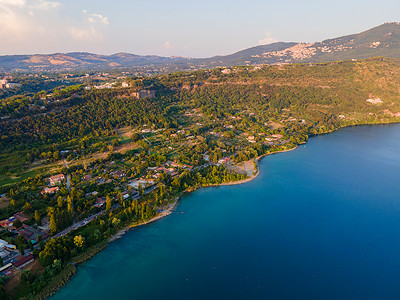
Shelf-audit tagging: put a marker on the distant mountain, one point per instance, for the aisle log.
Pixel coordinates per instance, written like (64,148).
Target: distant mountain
(80,60)
(383,40)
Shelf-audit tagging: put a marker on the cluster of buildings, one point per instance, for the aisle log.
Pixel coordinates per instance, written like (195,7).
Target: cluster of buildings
(107,85)
(4,84)
(28,232)
(273,139)
(8,224)
(11,257)
(54,182)
(375,101)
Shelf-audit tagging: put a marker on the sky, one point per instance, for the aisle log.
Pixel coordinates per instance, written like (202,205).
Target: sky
(180,27)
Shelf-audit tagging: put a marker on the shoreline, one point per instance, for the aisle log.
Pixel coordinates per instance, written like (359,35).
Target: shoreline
(159,216)
(173,205)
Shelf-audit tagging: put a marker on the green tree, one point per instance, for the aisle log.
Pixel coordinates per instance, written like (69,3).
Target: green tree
(53,224)
(140,189)
(27,207)
(60,201)
(120,197)
(69,204)
(17,223)
(108,203)
(135,137)
(115,222)
(37,217)
(79,241)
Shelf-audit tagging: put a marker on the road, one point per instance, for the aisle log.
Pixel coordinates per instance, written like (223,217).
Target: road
(92,217)
(147,142)
(68,183)
(83,222)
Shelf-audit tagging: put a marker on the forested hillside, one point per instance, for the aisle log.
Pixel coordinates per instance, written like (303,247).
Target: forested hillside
(322,96)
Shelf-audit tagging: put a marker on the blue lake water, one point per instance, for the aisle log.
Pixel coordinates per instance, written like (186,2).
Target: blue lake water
(320,222)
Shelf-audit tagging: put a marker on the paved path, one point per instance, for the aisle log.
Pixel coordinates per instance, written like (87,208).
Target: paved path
(92,217)
(68,183)
(147,142)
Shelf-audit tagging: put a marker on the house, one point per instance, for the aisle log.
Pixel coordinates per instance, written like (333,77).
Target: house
(174,164)
(5,268)
(8,223)
(3,243)
(144,94)
(143,183)
(277,136)
(161,169)
(5,223)
(6,246)
(224,160)
(26,233)
(56,179)
(135,193)
(251,139)
(118,174)
(156,176)
(23,261)
(31,234)
(87,177)
(375,101)
(51,190)
(12,85)
(100,202)
(3,83)
(20,217)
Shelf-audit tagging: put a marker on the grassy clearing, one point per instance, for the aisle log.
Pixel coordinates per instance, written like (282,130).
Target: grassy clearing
(11,179)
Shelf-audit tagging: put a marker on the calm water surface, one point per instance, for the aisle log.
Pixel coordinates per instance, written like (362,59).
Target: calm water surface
(320,222)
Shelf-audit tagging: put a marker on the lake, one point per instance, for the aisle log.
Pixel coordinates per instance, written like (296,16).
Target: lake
(319,222)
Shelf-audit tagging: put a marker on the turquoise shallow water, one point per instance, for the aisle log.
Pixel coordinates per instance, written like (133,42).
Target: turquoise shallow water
(320,222)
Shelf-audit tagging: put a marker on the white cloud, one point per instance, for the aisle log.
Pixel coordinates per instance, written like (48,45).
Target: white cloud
(167,45)
(28,26)
(268,39)
(91,29)
(94,18)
